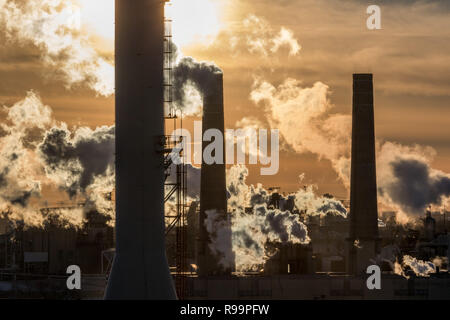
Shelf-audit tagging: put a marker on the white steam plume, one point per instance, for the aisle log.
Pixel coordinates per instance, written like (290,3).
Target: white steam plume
(192,80)
(74,163)
(419,267)
(262,39)
(255,223)
(407,180)
(35,151)
(304,117)
(391,254)
(20,170)
(312,205)
(54,27)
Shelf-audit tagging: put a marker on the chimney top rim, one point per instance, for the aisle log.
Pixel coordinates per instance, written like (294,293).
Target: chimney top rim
(362,76)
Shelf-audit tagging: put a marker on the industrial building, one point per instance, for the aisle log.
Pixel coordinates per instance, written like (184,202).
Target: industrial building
(153,254)
(34,260)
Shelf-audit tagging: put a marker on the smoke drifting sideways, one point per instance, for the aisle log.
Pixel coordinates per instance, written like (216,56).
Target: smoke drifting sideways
(312,205)
(54,27)
(36,152)
(261,38)
(85,156)
(408,179)
(419,267)
(304,116)
(405,265)
(255,223)
(304,119)
(192,80)
(82,164)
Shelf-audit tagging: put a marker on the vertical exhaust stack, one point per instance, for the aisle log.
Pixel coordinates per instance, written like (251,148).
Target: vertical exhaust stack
(213,192)
(140,269)
(363,237)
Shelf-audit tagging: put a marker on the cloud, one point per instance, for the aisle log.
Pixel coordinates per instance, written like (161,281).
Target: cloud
(406,179)
(303,116)
(20,170)
(250,231)
(53,27)
(307,201)
(191,81)
(286,38)
(37,151)
(256,223)
(76,162)
(419,267)
(260,38)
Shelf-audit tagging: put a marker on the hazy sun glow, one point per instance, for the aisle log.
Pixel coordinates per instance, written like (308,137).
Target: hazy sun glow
(193,20)
(98,16)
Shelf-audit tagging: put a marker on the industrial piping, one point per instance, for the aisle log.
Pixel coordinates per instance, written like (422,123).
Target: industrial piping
(140,269)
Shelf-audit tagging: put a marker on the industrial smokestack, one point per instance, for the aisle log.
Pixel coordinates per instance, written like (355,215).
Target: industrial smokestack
(363,237)
(213,192)
(140,269)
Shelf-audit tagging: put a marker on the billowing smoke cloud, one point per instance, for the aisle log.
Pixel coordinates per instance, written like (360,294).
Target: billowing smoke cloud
(76,162)
(250,233)
(54,27)
(36,151)
(419,267)
(255,223)
(220,234)
(20,170)
(302,116)
(261,38)
(391,254)
(192,78)
(257,37)
(191,81)
(406,180)
(82,164)
(312,205)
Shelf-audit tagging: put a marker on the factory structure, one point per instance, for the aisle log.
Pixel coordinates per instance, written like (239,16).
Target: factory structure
(153,254)
(213,189)
(363,233)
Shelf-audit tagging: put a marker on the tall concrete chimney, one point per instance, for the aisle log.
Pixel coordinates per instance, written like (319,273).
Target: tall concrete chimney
(213,192)
(363,236)
(140,269)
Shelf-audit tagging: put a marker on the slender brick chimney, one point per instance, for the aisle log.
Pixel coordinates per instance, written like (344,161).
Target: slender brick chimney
(213,192)
(363,235)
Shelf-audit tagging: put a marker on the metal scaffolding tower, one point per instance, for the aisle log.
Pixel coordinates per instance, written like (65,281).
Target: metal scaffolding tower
(175,184)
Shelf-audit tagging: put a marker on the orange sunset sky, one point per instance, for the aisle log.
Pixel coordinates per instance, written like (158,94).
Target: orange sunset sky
(319,41)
